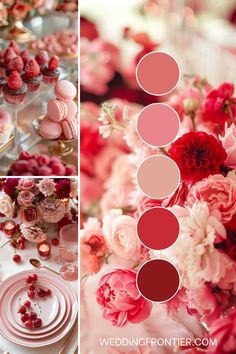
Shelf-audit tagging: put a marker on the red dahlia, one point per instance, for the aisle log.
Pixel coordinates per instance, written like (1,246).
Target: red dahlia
(198,155)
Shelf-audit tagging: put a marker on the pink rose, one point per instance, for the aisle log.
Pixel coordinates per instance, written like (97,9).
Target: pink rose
(122,236)
(93,250)
(25,198)
(218,192)
(229,144)
(120,299)
(47,186)
(28,215)
(223,331)
(6,205)
(51,210)
(33,233)
(26,184)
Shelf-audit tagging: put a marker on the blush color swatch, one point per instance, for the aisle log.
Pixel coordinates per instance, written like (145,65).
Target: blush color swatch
(158,228)
(158,124)
(157,73)
(158,176)
(158,280)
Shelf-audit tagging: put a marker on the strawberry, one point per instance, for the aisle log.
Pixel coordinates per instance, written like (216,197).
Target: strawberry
(32,68)
(14,81)
(16,64)
(53,63)
(25,56)
(42,57)
(9,54)
(15,47)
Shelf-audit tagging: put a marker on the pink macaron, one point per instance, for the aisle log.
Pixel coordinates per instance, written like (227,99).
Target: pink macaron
(57,110)
(49,129)
(65,90)
(70,129)
(71,109)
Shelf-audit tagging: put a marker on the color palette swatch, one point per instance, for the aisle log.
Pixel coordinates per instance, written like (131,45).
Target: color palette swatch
(158,176)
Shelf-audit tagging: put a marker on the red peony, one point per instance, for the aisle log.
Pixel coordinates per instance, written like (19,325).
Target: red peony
(220,105)
(10,186)
(198,155)
(63,188)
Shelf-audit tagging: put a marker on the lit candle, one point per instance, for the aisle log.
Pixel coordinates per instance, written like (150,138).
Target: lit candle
(65,201)
(44,249)
(9,228)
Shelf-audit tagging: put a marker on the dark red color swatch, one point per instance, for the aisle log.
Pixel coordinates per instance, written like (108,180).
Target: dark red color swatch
(158,228)
(158,280)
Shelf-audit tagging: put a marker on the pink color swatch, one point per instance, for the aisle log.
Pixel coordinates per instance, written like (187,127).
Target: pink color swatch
(157,73)
(158,280)
(158,124)
(158,228)
(158,176)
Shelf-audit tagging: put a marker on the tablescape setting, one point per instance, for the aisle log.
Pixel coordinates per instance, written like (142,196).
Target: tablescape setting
(202,312)
(28,73)
(38,265)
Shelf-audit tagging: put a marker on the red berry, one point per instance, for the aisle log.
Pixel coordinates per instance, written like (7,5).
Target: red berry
(32,68)
(31,288)
(31,294)
(29,279)
(42,57)
(14,81)
(27,303)
(29,324)
(33,316)
(41,292)
(21,246)
(25,56)
(24,317)
(34,277)
(21,239)
(16,64)
(53,63)
(22,309)
(15,46)
(38,323)
(48,292)
(9,54)
(55,241)
(16,258)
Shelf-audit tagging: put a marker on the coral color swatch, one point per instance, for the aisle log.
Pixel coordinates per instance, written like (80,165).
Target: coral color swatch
(158,228)
(157,73)
(158,280)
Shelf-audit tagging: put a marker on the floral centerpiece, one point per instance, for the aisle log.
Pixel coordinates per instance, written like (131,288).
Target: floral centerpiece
(204,203)
(37,204)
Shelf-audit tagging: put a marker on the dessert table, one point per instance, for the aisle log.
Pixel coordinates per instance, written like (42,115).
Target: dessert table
(9,268)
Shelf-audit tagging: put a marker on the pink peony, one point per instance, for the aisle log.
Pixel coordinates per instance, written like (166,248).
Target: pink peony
(28,215)
(46,186)
(218,192)
(93,250)
(6,205)
(121,234)
(51,210)
(25,198)
(26,184)
(229,144)
(33,233)
(120,299)
(223,332)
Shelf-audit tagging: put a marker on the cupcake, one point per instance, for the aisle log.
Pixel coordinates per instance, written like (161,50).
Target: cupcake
(2,83)
(51,73)
(15,89)
(32,77)
(5,126)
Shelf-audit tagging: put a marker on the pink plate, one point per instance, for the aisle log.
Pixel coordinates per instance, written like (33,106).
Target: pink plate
(52,338)
(62,311)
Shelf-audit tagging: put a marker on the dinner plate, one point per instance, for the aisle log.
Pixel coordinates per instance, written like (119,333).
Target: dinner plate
(64,303)
(53,337)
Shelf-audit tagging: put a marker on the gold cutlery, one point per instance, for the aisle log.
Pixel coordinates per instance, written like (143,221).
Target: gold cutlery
(68,340)
(37,264)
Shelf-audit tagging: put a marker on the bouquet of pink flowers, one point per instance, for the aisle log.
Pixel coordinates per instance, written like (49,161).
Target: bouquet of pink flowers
(204,203)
